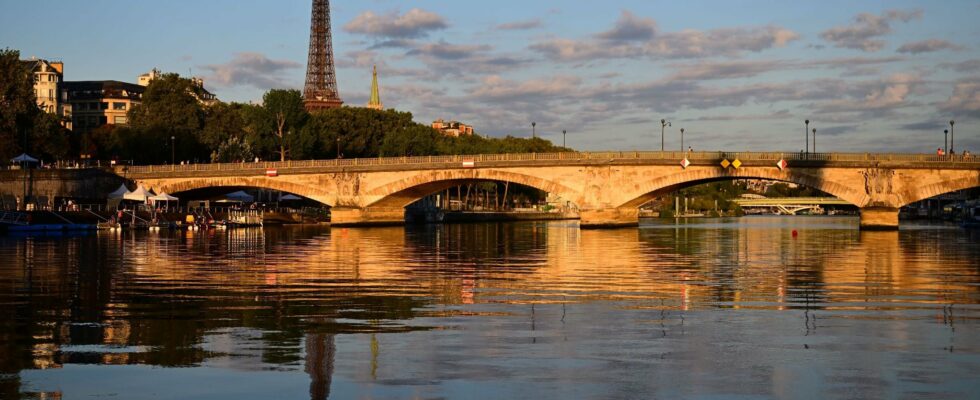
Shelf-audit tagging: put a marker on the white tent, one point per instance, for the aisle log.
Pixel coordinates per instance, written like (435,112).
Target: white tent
(140,194)
(163,196)
(119,193)
(23,158)
(239,196)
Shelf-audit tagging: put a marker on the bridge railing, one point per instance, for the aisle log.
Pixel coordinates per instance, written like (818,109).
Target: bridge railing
(693,156)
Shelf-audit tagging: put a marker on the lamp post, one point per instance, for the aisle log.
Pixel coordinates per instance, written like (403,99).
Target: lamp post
(682,140)
(952,136)
(173,152)
(814,139)
(23,165)
(338,147)
(563,133)
(534,134)
(945,141)
(663,125)
(806,133)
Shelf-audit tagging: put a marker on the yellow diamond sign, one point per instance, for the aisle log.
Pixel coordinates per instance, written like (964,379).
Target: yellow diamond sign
(736,163)
(725,163)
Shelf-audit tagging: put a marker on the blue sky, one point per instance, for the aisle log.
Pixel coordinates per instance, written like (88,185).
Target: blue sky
(737,75)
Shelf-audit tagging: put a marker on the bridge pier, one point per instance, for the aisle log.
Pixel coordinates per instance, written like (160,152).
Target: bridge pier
(344,216)
(879,219)
(609,218)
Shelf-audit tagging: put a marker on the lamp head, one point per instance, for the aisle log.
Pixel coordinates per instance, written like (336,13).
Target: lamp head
(807,122)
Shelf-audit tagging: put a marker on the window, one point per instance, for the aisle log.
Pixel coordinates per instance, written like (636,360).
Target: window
(51,93)
(105,105)
(51,78)
(118,106)
(119,120)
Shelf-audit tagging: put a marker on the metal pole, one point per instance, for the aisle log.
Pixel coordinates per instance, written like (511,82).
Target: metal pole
(682,140)
(23,165)
(814,140)
(338,147)
(952,136)
(806,132)
(563,133)
(945,141)
(534,134)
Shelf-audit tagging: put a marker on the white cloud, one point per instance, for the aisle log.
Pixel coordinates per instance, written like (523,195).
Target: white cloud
(413,24)
(927,46)
(251,69)
(520,25)
(862,34)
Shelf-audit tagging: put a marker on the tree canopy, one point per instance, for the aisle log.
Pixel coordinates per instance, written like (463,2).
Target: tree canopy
(20,116)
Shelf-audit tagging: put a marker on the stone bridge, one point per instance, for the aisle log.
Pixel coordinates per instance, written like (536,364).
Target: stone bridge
(607,188)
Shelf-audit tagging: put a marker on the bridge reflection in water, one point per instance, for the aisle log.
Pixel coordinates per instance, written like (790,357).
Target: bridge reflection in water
(506,308)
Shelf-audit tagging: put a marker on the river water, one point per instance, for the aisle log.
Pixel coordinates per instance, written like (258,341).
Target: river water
(713,308)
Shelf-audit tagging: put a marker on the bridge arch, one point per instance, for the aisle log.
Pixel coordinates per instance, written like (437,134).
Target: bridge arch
(183,185)
(645,191)
(939,188)
(405,191)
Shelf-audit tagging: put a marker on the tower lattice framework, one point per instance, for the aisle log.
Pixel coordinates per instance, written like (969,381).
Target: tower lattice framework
(320,91)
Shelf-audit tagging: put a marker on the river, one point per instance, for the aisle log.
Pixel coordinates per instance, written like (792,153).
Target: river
(755,307)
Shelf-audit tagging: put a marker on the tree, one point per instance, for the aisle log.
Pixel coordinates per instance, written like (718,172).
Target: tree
(20,115)
(287,110)
(168,102)
(170,115)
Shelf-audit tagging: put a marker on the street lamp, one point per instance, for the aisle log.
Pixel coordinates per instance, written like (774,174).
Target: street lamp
(806,132)
(534,134)
(814,140)
(945,141)
(682,140)
(663,125)
(952,137)
(172,151)
(338,147)
(563,133)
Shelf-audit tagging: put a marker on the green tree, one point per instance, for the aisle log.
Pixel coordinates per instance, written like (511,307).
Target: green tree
(168,102)
(20,115)
(288,113)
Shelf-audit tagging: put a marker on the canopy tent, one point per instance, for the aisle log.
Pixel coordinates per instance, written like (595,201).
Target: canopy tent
(118,193)
(23,158)
(239,196)
(163,196)
(290,197)
(140,194)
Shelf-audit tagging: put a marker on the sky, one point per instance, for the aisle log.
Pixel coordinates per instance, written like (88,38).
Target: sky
(739,75)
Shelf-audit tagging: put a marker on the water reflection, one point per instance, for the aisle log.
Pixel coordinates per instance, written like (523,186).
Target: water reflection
(495,310)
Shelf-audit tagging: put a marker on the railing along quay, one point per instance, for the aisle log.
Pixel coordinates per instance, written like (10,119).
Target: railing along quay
(476,159)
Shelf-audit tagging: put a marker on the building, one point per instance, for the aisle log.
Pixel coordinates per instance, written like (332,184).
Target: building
(48,82)
(452,128)
(375,102)
(98,103)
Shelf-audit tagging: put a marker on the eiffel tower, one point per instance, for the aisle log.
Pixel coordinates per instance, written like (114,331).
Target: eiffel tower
(320,91)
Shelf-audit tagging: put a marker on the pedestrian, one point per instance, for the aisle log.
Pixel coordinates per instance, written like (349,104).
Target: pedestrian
(939,151)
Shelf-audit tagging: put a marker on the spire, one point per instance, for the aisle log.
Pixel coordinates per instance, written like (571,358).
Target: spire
(375,103)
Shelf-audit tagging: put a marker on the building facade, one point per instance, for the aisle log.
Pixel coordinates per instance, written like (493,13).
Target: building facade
(48,88)
(98,103)
(452,128)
